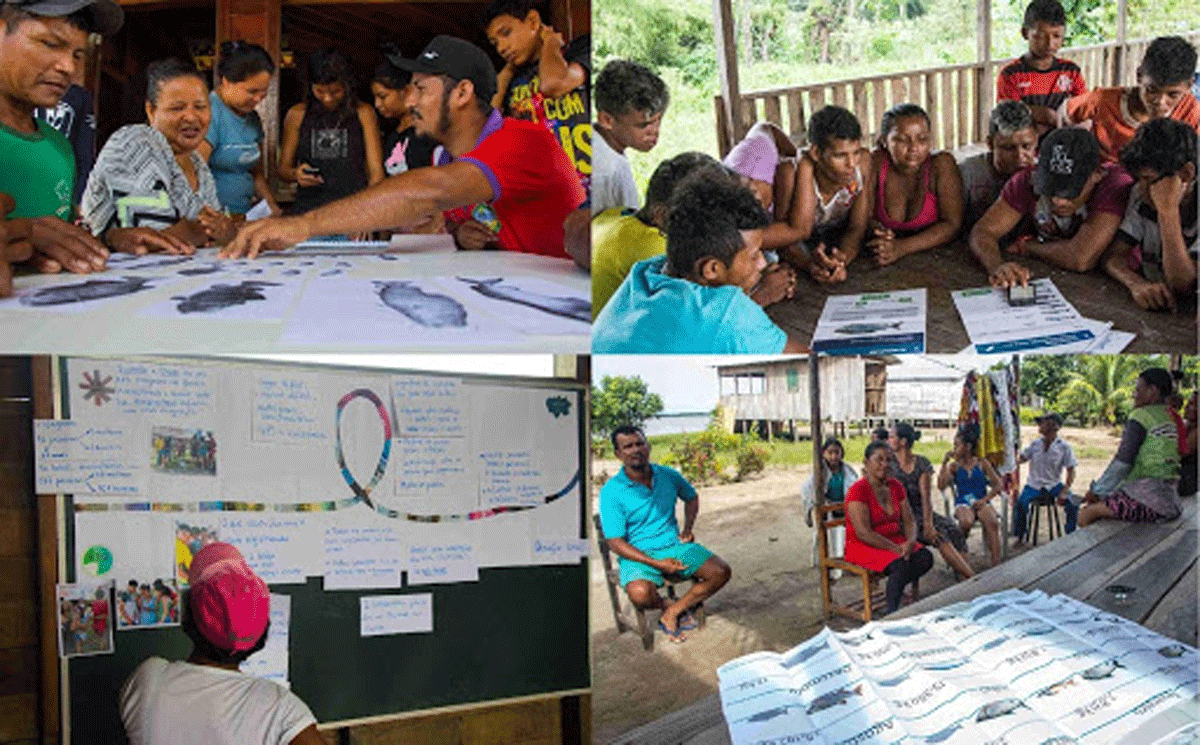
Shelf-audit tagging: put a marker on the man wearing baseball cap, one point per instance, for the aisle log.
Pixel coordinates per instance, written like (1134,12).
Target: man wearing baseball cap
(1047,457)
(1068,206)
(41,42)
(207,699)
(515,168)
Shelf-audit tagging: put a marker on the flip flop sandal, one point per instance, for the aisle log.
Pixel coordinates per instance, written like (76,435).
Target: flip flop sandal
(686,622)
(676,636)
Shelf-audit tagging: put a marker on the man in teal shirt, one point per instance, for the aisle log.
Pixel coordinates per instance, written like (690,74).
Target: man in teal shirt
(696,300)
(637,515)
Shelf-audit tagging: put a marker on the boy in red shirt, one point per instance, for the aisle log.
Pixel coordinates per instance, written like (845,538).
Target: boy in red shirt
(1039,78)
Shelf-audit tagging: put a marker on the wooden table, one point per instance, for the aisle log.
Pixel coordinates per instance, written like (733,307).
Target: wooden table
(1159,560)
(1095,295)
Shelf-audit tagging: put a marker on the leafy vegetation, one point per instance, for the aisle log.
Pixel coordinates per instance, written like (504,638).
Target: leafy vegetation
(620,401)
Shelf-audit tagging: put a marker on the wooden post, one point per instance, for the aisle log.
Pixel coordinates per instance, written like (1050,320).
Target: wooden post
(42,373)
(1121,52)
(814,418)
(985,88)
(259,22)
(727,69)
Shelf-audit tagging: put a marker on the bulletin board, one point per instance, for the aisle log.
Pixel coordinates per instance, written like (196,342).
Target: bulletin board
(425,530)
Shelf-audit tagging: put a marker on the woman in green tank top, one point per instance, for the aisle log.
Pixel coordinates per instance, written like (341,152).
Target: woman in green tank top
(1139,484)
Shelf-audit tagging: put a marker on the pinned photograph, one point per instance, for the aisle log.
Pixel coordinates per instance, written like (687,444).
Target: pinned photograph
(147,603)
(189,539)
(85,619)
(183,451)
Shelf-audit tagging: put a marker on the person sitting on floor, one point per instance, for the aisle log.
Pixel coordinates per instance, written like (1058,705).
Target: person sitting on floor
(226,615)
(1163,90)
(1140,483)
(637,515)
(881,534)
(1066,210)
(839,475)
(1155,248)
(623,237)
(630,103)
(1187,460)
(1047,457)
(975,483)
(696,299)
(918,195)
(1012,147)
(915,474)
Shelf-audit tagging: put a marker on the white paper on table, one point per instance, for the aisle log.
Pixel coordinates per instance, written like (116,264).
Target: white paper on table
(441,562)
(288,409)
(338,247)
(359,557)
(380,615)
(277,547)
(872,323)
(414,243)
(1114,342)
(72,293)
(558,550)
(994,326)
(429,406)
(256,293)
(271,662)
(258,211)
(530,305)
(72,457)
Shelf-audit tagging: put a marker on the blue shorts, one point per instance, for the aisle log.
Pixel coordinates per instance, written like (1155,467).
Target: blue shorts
(691,554)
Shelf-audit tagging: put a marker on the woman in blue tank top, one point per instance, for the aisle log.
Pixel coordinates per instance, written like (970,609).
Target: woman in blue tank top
(975,483)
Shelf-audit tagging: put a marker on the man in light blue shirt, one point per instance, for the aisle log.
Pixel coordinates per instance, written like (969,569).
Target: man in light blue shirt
(695,300)
(637,515)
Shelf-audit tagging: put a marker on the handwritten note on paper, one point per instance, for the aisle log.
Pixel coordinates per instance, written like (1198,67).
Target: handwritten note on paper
(287,410)
(176,392)
(276,548)
(558,550)
(429,406)
(362,558)
(436,563)
(74,458)
(432,468)
(511,478)
(271,662)
(395,614)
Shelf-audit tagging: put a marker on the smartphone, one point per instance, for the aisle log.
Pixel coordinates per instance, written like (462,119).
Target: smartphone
(1021,295)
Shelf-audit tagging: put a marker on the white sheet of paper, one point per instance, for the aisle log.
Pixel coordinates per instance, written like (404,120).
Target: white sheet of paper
(71,457)
(531,306)
(996,327)
(362,558)
(872,323)
(435,243)
(271,662)
(287,409)
(72,293)
(429,406)
(432,471)
(381,615)
(276,546)
(1114,342)
(260,210)
(441,562)
(255,294)
(558,550)
(512,477)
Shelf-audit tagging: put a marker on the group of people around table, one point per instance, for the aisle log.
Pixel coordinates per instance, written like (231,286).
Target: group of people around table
(498,159)
(1079,179)
(890,520)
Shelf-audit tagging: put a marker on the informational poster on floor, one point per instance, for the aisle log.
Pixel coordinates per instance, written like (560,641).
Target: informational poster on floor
(1011,667)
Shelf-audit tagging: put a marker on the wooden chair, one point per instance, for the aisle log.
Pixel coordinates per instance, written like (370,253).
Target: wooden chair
(629,617)
(860,609)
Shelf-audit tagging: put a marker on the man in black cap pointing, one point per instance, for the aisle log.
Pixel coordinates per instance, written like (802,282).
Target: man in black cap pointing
(511,173)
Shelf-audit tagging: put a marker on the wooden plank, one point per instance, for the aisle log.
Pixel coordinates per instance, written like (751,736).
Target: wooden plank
(962,102)
(1175,615)
(42,374)
(534,722)
(727,63)
(839,94)
(699,720)
(18,578)
(898,94)
(18,533)
(18,671)
(21,720)
(816,99)
(879,104)
(773,110)
(18,626)
(914,90)
(1097,568)
(797,122)
(859,105)
(1152,575)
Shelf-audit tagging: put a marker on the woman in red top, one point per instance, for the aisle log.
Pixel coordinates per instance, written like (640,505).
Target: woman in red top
(881,534)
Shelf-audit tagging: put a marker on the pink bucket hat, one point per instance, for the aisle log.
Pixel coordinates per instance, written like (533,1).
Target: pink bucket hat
(754,157)
(230,604)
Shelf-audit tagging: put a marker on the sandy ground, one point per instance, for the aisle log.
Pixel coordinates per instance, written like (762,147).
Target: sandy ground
(772,602)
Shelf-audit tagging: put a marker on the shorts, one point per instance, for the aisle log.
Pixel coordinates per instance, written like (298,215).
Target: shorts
(691,554)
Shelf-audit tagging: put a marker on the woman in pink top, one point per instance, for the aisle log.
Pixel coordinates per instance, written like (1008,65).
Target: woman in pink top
(918,197)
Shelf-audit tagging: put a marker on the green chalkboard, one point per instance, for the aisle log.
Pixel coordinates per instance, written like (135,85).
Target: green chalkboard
(517,631)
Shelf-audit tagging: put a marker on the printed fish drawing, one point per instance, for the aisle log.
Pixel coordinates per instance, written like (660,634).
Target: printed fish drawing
(1038,629)
(290,272)
(833,698)
(998,709)
(1103,670)
(986,610)
(1056,689)
(331,272)
(92,289)
(577,308)
(767,714)
(156,263)
(803,655)
(198,270)
(222,296)
(855,642)
(994,643)
(900,631)
(892,682)
(1172,650)
(942,735)
(1060,740)
(865,328)
(946,665)
(429,310)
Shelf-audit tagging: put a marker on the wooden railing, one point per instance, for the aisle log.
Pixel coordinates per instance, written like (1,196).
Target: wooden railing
(951,94)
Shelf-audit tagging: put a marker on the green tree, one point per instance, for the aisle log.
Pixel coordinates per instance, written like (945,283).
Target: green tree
(1100,389)
(1045,375)
(619,401)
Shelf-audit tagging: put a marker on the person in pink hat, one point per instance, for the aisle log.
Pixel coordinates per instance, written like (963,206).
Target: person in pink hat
(207,698)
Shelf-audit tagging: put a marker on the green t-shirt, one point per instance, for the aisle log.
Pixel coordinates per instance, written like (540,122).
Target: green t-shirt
(38,171)
(1158,458)
(619,240)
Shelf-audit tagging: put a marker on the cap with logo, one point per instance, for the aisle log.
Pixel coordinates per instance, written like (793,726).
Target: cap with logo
(230,604)
(105,16)
(458,58)
(1066,159)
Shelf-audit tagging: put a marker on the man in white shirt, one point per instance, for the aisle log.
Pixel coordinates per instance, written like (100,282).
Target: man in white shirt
(207,699)
(630,102)
(1047,457)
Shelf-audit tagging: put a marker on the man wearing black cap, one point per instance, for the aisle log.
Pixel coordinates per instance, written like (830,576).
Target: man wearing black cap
(1047,457)
(517,168)
(41,42)
(1071,203)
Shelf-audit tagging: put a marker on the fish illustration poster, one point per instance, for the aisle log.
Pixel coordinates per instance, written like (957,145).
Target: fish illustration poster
(1008,667)
(874,323)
